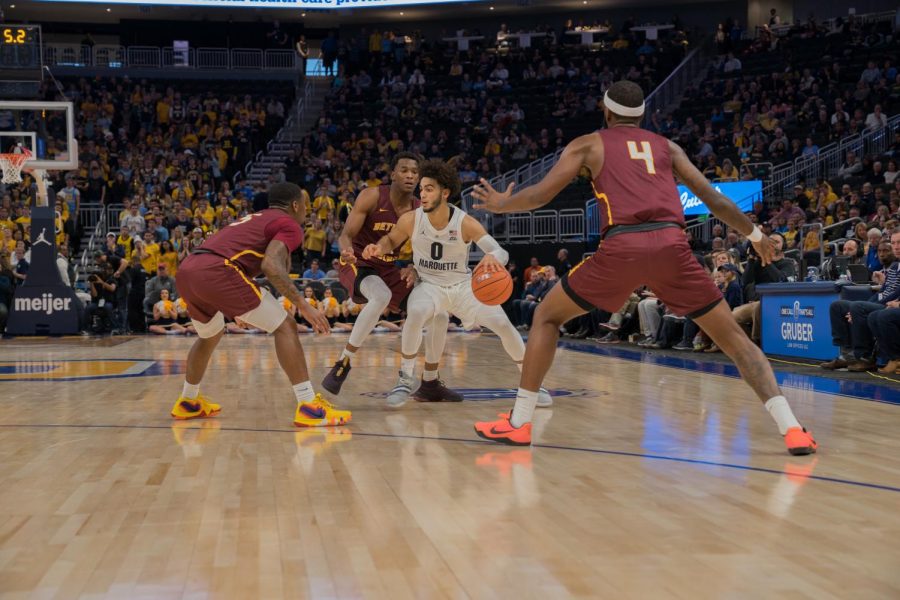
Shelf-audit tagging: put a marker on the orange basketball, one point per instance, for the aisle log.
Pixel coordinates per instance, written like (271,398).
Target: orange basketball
(492,288)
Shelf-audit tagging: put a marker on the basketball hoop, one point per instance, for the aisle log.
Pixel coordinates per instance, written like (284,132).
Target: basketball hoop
(12,164)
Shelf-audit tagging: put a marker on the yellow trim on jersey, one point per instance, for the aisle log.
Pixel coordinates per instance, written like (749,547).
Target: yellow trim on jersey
(243,252)
(575,268)
(244,276)
(352,265)
(605,198)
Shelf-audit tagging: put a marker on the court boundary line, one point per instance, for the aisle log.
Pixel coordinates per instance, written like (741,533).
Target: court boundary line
(608,352)
(688,461)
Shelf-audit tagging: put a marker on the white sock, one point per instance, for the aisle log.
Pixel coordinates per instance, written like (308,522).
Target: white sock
(524,409)
(347,354)
(408,366)
(429,375)
(190,390)
(780,410)
(304,392)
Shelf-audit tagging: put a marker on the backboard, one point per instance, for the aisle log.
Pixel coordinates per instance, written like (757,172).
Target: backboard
(47,129)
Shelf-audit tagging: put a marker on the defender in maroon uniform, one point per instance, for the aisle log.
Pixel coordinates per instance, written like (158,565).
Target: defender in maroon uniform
(378,282)
(642,243)
(216,281)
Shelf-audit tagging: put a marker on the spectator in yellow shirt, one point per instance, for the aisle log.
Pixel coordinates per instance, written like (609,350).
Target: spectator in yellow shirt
(728,172)
(189,140)
(125,240)
(324,206)
(5,221)
(224,208)
(373,180)
(148,251)
(163,111)
(168,256)
(205,213)
(314,239)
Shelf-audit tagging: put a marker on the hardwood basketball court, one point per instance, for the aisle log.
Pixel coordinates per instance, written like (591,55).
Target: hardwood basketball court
(647,480)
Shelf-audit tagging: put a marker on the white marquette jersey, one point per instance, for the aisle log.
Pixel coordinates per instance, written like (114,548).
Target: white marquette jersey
(441,257)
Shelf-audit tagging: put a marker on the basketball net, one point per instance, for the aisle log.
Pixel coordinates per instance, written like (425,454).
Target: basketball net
(12,164)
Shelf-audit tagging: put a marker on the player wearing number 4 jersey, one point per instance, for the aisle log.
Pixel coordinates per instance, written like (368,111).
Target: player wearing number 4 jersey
(642,243)
(441,235)
(216,282)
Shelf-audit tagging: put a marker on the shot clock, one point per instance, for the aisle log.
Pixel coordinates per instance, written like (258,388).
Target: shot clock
(20,53)
(21,60)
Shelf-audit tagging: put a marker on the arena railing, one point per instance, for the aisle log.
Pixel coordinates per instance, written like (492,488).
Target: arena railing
(830,158)
(154,57)
(283,135)
(806,227)
(695,64)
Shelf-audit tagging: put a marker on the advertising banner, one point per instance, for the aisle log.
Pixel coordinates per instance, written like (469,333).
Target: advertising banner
(798,324)
(743,193)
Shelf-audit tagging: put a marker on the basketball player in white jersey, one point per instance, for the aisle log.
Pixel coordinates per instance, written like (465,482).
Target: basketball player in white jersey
(441,235)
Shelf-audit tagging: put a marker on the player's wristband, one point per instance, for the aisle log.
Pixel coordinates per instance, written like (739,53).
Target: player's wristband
(755,235)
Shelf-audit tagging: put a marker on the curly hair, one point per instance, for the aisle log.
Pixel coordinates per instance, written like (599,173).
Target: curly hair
(445,174)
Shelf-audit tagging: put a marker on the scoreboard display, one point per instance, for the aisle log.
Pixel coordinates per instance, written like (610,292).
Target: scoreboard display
(20,53)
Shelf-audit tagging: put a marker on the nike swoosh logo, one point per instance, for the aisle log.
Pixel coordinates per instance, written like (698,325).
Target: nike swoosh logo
(314,413)
(190,407)
(494,430)
(382,210)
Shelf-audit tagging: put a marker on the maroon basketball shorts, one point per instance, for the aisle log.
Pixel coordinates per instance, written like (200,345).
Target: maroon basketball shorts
(660,259)
(351,275)
(215,288)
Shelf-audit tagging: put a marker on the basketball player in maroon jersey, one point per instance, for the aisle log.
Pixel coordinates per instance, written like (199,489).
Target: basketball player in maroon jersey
(216,281)
(378,282)
(642,243)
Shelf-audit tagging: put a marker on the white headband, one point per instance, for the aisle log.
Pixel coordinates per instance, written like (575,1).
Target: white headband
(620,109)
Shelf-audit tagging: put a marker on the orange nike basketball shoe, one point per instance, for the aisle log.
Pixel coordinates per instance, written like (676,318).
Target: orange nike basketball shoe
(502,431)
(198,408)
(799,441)
(320,413)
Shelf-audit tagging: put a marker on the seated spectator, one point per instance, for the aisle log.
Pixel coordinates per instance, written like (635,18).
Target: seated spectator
(313,272)
(165,317)
(885,257)
(154,287)
(876,119)
(183,317)
(850,319)
(649,318)
(870,250)
(851,167)
(779,270)
(335,270)
(728,280)
(885,328)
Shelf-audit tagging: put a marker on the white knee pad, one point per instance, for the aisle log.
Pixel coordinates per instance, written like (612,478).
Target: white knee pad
(376,291)
(211,328)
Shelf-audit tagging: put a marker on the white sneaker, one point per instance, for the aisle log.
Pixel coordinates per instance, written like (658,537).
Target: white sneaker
(544,398)
(406,385)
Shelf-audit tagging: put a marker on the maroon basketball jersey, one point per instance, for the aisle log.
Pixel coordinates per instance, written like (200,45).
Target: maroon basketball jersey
(378,223)
(244,242)
(636,183)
